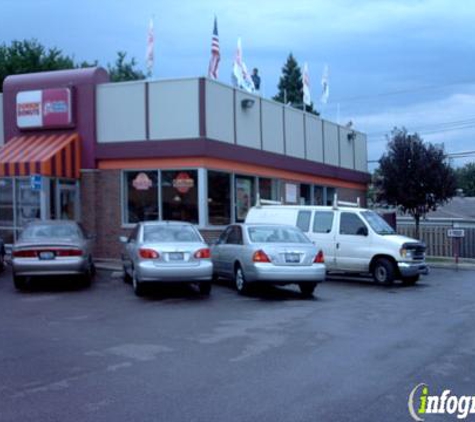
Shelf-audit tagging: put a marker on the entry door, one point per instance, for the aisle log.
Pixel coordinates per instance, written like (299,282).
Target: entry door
(67,201)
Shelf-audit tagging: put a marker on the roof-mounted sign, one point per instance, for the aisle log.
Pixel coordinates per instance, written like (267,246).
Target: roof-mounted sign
(44,109)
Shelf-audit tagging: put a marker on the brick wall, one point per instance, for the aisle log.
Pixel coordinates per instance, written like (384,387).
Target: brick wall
(350,195)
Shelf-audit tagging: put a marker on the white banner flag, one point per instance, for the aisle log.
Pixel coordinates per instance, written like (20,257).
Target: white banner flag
(149,57)
(306,86)
(325,85)
(241,77)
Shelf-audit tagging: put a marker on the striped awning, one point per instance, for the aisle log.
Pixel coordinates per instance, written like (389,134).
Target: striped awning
(49,155)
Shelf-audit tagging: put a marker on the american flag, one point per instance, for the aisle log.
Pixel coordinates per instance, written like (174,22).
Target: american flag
(150,44)
(215,55)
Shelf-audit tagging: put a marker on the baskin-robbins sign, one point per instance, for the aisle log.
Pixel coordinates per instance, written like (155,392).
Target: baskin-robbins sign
(46,108)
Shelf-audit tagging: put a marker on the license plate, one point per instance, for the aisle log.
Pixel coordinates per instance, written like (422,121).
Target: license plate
(46,255)
(175,256)
(292,258)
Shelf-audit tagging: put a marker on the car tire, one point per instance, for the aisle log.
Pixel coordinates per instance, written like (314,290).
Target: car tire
(384,271)
(307,289)
(240,282)
(2,260)
(19,282)
(205,288)
(410,281)
(137,285)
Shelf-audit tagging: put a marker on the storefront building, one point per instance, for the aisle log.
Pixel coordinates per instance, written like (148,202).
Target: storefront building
(112,154)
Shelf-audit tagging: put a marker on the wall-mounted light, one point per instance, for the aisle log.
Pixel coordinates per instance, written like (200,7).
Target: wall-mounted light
(351,136)
(247,103)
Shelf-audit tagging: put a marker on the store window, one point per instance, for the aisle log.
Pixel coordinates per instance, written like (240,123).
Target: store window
(180,195)
(318,195)
(245,197)
(219,198)
(67,200)
(305,194)
(6,210)
(330,194)
(28,202)
(268,188)
(141,196)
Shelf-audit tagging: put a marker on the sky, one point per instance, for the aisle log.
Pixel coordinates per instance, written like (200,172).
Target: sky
(392,63)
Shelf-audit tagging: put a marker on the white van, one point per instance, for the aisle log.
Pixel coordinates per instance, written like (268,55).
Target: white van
(354,240)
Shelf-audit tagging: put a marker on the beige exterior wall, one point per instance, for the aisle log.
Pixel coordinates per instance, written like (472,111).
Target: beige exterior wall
(272,127)
(219,112)
(2,140)
(248,121)
(361,152)
(314,138)
(331,143)
(174,109)
(294,133)
(347,148)
(120,112)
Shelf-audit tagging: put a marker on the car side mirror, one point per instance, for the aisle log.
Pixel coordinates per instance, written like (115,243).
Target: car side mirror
(123,239)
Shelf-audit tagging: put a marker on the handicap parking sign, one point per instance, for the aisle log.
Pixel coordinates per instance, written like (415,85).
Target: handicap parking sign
(35,182)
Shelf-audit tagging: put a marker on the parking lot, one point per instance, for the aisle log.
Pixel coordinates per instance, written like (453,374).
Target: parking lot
(353,353)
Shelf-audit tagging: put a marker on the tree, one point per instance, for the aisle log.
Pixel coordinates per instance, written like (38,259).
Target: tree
(30,56)
(291,86)
(466,179)
(414,175)
(123,70)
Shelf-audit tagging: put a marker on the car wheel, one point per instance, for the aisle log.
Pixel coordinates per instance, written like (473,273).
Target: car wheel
(19,282)
(205,288)
(307,289)
(384,271)
(240,281)
(137,285)
(410,281)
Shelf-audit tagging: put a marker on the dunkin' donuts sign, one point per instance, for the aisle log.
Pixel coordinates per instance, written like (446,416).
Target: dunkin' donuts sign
(46,108)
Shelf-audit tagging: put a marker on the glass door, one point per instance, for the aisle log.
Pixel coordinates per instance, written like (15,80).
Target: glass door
(67,200)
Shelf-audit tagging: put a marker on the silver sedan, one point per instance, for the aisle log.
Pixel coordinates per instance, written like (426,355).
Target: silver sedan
(274,254)
(52,247)
(166,252)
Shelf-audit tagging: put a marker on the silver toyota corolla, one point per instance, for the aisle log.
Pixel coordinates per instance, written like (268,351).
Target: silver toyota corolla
(52,247)
(166,251)
(276,254)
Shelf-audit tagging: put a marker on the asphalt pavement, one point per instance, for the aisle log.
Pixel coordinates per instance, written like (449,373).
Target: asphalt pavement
(353,353)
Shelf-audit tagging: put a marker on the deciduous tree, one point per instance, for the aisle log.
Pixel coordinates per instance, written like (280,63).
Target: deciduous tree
(415,176)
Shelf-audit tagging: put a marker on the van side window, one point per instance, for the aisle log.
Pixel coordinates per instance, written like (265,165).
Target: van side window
(323,221)
(351,224)
(303,220)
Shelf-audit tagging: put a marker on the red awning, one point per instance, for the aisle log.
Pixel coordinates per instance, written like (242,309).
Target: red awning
(48,155)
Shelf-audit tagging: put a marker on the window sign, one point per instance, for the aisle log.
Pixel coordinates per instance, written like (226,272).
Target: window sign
(291,193)
(142,182)
(183,182)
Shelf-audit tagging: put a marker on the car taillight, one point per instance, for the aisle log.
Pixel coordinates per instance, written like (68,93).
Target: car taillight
(68,252)
(25,254)
(260,256)
(319,258)
(203,254)
(148,253)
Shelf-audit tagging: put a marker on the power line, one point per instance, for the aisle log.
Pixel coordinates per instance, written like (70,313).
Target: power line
(399,92)
(454,155)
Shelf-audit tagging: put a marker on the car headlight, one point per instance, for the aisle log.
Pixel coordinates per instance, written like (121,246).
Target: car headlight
(406,253)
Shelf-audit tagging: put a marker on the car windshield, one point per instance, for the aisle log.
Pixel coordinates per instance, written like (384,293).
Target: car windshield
(272,234)
(51,231)
(377,223)
(170,234)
